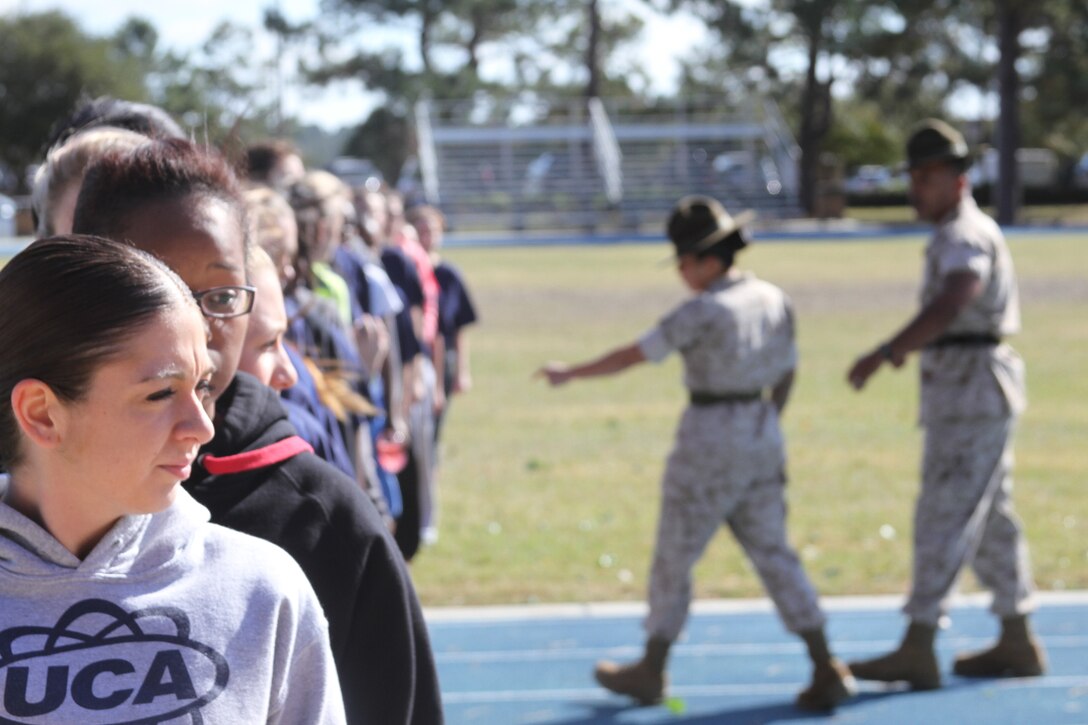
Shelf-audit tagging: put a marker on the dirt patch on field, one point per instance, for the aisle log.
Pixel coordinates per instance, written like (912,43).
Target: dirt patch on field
(856,296)
(862,296)
(553,305)
(1054,289)
(542,304)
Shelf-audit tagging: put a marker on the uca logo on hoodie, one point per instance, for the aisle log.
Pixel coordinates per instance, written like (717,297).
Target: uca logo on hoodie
(101,665)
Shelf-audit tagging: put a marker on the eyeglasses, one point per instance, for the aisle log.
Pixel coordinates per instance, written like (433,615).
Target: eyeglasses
(223,302)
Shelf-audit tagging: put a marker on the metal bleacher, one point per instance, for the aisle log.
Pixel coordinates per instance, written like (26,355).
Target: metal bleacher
(540,164)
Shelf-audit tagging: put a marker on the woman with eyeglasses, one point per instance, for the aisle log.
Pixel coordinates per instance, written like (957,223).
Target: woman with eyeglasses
(119,602)
(184,205)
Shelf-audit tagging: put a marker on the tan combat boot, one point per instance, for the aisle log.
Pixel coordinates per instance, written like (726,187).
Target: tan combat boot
(832,681)
(644,680)
(914,662)
(1017,654)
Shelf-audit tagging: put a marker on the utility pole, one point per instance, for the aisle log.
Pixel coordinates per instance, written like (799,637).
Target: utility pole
(1010,23)
(593,51)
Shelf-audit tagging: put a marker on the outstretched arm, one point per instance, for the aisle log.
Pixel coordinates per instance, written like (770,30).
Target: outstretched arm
(959,289)
(610,363)
(780,393)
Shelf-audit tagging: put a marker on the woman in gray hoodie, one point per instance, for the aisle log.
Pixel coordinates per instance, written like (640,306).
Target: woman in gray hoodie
(119,602)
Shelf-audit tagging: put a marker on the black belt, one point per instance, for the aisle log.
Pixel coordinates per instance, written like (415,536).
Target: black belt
(700,399)
(966,340)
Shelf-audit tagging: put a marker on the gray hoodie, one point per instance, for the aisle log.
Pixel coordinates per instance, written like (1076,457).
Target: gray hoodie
(170,619)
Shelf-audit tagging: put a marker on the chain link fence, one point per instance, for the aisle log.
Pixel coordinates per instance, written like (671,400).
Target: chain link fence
(599,164)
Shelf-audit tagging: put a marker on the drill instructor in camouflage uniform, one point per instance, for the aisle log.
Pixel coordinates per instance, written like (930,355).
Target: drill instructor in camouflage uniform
(972,391)
(727,465)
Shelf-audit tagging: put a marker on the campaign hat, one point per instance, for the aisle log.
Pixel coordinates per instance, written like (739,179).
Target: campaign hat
(935,140)
(699,222)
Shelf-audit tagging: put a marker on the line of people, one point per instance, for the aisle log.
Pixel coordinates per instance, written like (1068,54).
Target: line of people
(379,321)
(301,339)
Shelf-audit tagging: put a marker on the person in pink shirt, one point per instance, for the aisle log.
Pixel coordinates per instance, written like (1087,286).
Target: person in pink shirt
(427,397)
(404,236)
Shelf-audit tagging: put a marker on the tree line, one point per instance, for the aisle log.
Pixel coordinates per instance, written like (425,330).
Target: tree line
(851,76)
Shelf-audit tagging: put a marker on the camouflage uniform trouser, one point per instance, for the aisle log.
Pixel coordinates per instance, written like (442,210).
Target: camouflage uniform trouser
(964,514)
(727,466)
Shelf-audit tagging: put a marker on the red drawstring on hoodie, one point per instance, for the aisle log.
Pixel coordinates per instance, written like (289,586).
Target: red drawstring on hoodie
(259,458)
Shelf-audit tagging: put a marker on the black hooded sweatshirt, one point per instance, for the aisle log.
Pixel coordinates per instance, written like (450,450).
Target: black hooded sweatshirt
(325,521)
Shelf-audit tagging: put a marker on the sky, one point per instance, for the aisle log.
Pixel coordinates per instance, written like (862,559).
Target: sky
(182,25)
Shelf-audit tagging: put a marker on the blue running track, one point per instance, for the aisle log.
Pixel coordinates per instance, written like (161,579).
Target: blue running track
(736,664)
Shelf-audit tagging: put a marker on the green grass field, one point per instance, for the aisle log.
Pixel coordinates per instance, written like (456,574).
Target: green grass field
(552,494)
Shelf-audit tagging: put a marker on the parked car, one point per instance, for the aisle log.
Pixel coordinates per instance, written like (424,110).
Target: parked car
(7,216)
(9,180)
(868,179)
(355,172)
(746,170)
(1080,173)
(1038,168)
